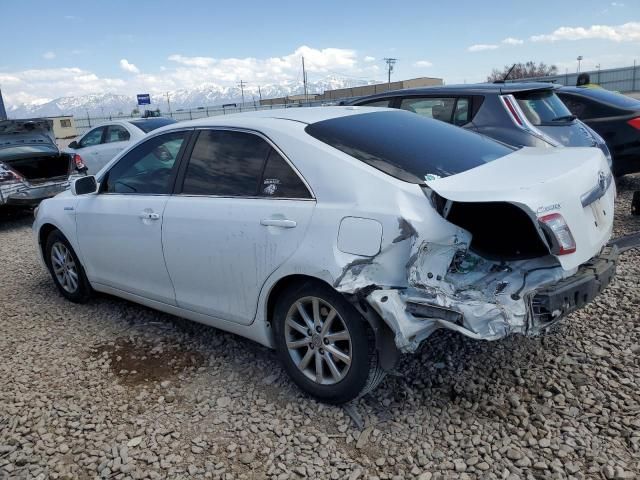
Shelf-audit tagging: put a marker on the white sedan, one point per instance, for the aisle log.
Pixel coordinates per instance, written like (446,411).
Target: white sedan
(98,146)
(340,236)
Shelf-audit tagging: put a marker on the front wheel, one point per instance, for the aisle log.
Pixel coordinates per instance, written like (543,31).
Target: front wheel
(65,269)
(324,344)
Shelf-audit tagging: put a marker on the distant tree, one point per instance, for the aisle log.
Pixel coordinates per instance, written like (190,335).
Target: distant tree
(135,111)
(523,70)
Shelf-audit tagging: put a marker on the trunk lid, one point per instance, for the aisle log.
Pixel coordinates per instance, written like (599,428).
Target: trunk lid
(575,182)
(26,138)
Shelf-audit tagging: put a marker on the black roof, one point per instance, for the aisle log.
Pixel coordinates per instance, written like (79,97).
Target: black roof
(148,124)
(466,89)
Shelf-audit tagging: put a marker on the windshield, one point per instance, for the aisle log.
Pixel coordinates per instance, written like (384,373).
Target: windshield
(151,124)
(407,146)
(543,107)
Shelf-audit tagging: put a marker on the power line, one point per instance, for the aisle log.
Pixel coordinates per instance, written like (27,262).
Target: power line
(390,63)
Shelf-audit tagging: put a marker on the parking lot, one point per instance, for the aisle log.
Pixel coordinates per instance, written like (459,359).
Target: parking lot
(116,390)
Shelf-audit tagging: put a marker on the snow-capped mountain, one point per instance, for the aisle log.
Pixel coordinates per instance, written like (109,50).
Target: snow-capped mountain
(206,95)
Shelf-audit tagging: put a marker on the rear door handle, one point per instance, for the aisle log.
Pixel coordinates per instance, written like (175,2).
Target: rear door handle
(149,216)
(278,222)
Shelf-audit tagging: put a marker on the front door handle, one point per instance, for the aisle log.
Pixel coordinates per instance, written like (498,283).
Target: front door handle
(278,222)
(149,216)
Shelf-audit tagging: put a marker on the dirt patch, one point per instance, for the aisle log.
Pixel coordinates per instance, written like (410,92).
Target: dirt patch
(137,362)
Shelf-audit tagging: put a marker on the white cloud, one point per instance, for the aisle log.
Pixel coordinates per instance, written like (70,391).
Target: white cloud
(128,67)
(201,62)
(512,41)
(617,4)
(184,72)
(628,32)
(423,64)
(481,47)
(49,55)
(369,59)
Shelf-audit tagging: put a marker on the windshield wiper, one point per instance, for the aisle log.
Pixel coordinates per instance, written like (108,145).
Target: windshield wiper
(564,118)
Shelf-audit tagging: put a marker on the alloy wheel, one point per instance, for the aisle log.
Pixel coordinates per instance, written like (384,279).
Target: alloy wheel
(318,340)
(64,267)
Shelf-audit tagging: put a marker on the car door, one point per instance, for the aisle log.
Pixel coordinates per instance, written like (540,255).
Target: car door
(119,229)
(240,210)
(116,139)
(89,149)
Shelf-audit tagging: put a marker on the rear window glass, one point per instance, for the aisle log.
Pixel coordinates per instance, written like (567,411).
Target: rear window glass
(407,146)
(543,107)
(147,125)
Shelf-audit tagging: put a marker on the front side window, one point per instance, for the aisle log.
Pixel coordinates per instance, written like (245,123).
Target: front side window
(148,168)
(116,133)
(436,108)
(407,146)
(94,137)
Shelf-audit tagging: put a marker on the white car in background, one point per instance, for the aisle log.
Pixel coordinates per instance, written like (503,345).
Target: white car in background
(102,143)
(340,236)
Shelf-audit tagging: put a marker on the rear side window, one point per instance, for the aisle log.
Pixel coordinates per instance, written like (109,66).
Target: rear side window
(407,146)
(543,107)
(436,108)
(279,179)
(376,103)
(225,163)
(116,133)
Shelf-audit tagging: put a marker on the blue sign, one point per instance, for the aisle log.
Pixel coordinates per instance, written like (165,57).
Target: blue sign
(144,99)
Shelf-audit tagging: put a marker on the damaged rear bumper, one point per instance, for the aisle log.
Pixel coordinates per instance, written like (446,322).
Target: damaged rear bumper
(544,297)
(26,195)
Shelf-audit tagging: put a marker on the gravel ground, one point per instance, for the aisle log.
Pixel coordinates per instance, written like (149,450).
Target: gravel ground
(113,389)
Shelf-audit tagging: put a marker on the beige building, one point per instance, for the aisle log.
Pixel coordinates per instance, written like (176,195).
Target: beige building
(332,95)
(64,129)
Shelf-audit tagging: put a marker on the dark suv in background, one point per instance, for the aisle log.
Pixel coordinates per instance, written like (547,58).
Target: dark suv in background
(518,114)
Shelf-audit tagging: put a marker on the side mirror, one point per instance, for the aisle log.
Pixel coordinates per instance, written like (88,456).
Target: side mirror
(84,185)
(74,145)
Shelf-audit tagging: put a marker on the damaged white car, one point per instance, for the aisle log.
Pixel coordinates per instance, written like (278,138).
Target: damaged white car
(31,165)
(340,236)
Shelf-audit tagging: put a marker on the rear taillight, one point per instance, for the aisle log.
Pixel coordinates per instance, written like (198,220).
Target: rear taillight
(9,176)
(77,159)
(560,230)
(516,118)
(635,123)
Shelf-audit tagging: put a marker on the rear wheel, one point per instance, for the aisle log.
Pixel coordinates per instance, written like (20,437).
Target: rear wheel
(65,268)
(324,344)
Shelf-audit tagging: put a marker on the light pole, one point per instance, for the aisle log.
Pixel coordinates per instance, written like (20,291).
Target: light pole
(580,57)
(598,68)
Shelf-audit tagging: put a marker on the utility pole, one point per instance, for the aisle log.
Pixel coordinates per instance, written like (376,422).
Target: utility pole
(242,85)
(580,57)
(260,94)
(304,81)
(390,63)
(168,103)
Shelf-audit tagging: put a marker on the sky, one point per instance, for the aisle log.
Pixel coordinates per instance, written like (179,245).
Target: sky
(71,48)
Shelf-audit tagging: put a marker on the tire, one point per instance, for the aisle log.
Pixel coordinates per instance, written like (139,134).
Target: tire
(329,316)
(65,269)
